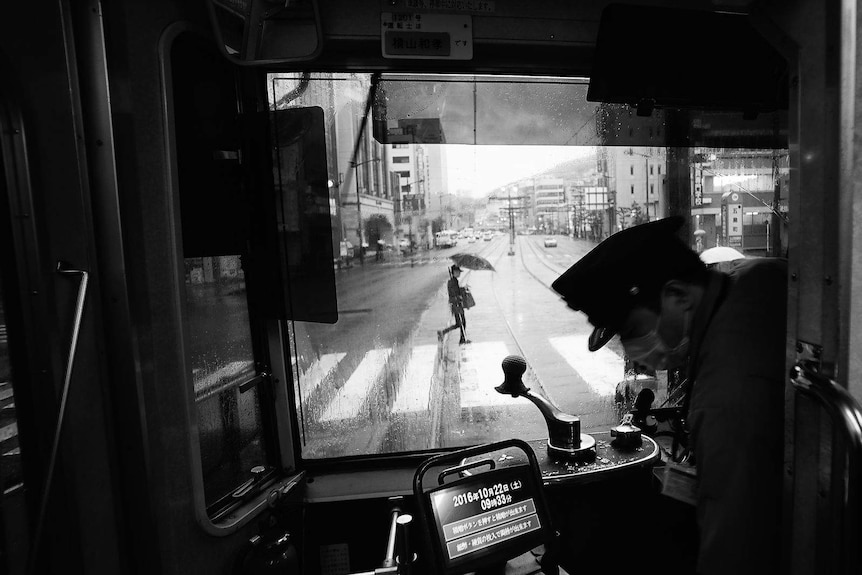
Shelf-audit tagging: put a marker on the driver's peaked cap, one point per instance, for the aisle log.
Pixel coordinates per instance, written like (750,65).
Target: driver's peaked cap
(616,275)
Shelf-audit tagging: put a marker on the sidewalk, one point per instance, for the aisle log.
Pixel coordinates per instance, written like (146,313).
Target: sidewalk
(389,256)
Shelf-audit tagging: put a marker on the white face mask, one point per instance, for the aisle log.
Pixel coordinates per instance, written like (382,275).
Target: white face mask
(651,350)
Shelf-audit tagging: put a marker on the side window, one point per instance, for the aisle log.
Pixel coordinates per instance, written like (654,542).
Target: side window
(16,526)
(222,361)
(215,219)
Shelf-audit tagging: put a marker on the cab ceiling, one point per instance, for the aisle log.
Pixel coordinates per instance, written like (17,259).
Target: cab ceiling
(534,37)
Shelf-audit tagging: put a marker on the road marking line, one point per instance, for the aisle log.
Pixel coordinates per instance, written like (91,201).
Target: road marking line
(350,398)
(6,394)
(414,393)
(318,371)
(602,369)
(481,373)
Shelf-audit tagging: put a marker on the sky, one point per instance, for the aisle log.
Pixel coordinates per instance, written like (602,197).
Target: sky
(480,169)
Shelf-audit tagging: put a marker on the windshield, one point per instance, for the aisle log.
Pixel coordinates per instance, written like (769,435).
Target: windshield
(519,178)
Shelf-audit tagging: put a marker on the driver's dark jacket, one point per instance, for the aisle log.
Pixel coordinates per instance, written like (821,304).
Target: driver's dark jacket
(736,411)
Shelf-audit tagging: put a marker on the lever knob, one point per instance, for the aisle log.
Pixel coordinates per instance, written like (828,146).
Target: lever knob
(564,430)
(514,367)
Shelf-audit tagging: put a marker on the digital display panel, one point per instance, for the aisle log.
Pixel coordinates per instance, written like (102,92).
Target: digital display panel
(475,515)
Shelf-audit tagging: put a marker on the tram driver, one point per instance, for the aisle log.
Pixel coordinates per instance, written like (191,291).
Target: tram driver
(646,285)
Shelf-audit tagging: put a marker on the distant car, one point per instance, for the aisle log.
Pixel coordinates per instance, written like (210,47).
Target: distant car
(404,244)
(488,236)
(550,242)
(471,239)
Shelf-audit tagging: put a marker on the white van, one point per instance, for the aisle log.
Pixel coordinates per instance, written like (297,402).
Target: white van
(445,239)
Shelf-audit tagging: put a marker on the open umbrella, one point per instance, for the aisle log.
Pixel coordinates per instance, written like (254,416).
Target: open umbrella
(720,254)
(472,262)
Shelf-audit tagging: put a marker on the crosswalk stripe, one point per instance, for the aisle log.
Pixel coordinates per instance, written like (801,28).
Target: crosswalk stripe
(6,394)
(414,392)
(602,369)
(481,373)
(211,380)
(8,432)
(350,398)
(318,371)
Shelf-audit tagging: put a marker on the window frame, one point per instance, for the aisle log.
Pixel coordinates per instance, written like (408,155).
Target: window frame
(268,342)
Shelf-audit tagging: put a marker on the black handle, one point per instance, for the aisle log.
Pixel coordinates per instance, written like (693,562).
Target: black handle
(462,454)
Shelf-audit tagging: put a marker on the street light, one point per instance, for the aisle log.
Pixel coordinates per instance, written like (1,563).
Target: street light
(355,166)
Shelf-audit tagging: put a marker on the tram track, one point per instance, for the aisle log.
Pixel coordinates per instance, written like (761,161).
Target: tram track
(531,373)
(542,260)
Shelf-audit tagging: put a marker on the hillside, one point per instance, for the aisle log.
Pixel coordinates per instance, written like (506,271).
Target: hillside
(575,169)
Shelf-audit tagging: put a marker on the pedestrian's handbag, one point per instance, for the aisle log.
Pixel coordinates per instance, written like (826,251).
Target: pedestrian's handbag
(467,298)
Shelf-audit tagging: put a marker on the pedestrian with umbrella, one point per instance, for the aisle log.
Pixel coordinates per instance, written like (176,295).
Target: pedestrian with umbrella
(460,297)
(471,262)
(456,304)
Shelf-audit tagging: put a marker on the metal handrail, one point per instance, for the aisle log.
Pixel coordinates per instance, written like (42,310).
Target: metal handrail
(846,416)
(837,401)
(64,270)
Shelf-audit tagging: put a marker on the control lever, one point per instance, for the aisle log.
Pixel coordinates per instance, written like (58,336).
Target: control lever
(564,430)
(401,563)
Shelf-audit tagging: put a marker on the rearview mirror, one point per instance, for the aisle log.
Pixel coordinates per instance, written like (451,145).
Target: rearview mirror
(263,32)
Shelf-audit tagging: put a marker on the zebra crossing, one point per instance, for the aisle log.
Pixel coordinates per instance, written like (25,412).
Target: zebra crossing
(479,372)
(9,449)
(415,392)
(351,397)
(600,369)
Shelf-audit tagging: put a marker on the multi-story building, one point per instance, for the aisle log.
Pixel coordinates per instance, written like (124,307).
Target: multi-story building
(636,180)
(549,205)
(407,163)
(362,195)
(739,199)
(437,182)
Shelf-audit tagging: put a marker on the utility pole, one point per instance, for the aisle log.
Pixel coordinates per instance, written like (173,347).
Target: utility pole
(511,211)
(410,197)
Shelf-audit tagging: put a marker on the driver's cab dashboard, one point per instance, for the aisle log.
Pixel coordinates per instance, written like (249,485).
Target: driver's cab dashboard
(288,171)
(393,124)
